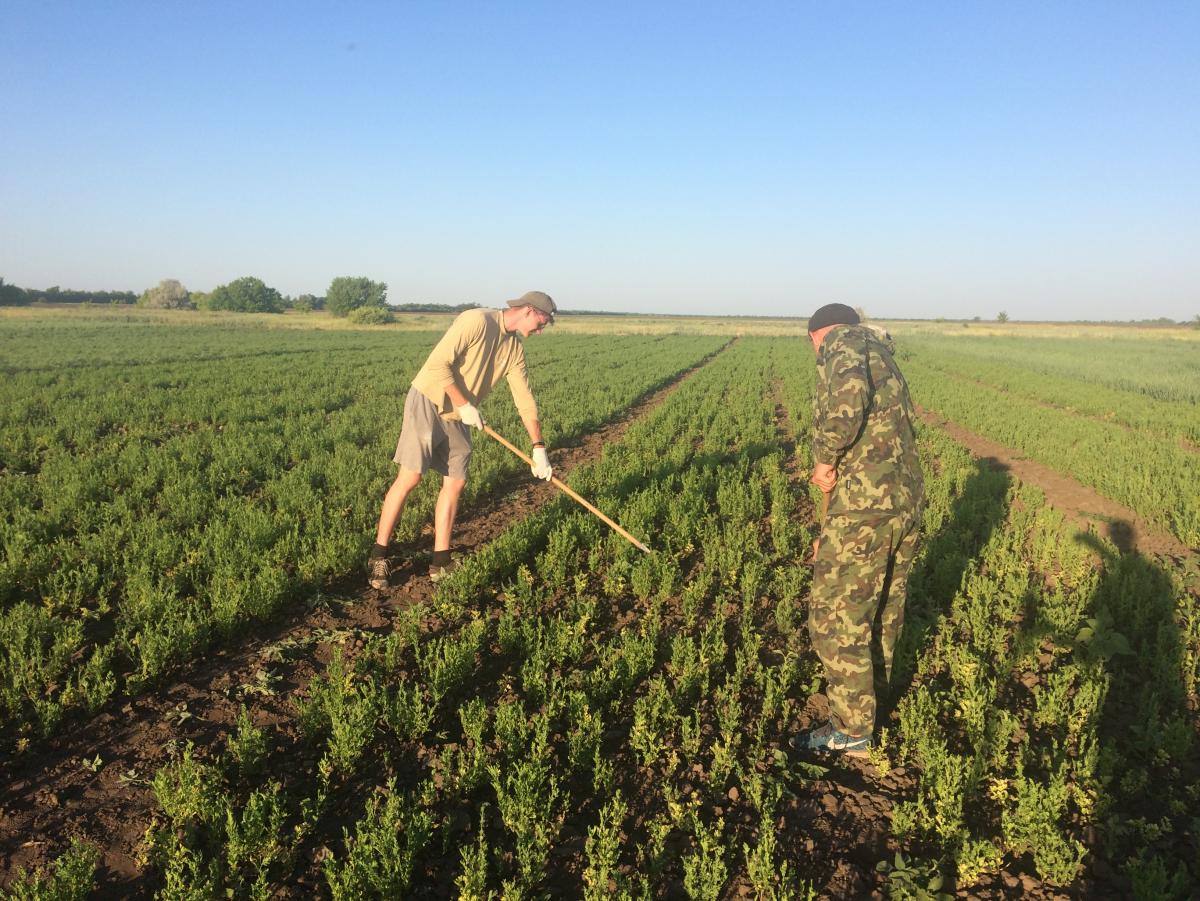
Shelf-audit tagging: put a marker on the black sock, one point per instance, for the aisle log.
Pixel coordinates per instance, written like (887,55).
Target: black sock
(378,550)
(441,558)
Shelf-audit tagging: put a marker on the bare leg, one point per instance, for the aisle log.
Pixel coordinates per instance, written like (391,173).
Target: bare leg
(393,504)
(447,509)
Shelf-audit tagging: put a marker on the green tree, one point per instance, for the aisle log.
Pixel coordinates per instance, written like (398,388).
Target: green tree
(12,296)
(169,294)
(1002,316)
(245,295)
(346,293)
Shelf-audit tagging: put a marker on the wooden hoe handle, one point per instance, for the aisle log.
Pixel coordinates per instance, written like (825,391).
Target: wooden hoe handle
(567,490)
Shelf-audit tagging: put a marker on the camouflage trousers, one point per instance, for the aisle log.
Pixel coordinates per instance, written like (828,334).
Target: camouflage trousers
(856,609)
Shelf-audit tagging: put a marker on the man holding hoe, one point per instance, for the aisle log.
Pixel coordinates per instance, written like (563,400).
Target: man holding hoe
(480,348)
(865,462)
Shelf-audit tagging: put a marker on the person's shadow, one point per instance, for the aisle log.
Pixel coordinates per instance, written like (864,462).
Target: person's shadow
(950,546)
(1144,627)
(1141,626)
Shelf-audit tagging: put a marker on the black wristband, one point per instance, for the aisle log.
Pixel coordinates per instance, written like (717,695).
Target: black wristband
(539,444)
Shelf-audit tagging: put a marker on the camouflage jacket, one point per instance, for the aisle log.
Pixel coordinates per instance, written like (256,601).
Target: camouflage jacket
(862,424)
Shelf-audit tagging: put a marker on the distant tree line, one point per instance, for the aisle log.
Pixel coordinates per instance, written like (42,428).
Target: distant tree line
(354,297)
(13,296)
(433,307)
(243,295)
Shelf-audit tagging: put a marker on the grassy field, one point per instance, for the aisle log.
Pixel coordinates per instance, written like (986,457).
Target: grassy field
(631,324)
(192,669)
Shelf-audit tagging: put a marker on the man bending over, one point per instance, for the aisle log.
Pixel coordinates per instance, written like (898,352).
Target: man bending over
(480,348)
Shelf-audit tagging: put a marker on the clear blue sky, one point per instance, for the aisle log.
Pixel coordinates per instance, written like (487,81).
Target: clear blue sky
(917,159)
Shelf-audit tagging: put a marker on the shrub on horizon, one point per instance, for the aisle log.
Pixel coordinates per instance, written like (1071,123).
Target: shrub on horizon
(169,294)
(371,316)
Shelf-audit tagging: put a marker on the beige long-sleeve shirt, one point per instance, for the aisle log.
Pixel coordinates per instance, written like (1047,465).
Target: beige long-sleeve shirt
(475,353)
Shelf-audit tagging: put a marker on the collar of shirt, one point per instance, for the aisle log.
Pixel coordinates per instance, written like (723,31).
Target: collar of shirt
(504,329)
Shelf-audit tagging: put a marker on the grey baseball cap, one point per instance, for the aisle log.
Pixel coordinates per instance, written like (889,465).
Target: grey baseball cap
(539,300)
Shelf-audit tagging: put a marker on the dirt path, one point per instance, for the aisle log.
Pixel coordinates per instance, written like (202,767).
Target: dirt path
(57,789)
(1080,504)
(784,433)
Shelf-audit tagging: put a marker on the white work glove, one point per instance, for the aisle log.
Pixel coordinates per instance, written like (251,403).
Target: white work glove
(469,414)
(541,464)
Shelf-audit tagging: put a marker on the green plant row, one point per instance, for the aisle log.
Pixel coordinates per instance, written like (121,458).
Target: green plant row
(1155,369)
(168,505)
(1156,418)
(1155,477)
(54,347)
(1050,700)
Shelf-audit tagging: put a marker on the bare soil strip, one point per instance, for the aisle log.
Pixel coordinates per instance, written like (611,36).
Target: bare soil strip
(1080,504)
(783,429)
(57,789)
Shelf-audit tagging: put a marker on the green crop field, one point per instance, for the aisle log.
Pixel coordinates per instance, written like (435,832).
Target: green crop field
(199,697)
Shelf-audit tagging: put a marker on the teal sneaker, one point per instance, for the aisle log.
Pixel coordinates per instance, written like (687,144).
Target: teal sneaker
(829,739)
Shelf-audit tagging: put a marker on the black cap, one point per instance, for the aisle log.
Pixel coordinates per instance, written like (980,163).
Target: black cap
(832,314)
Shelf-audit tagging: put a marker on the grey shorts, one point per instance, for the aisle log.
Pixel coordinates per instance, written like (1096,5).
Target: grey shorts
(429,442)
